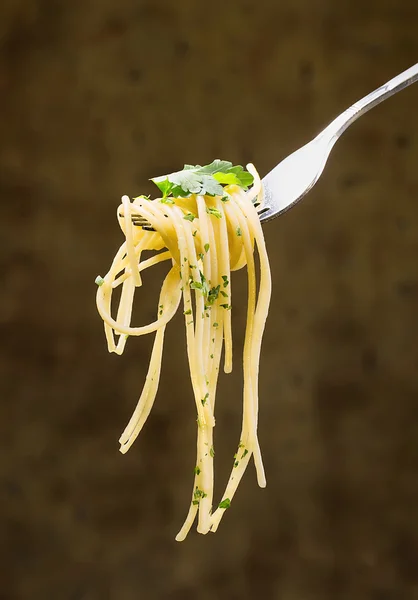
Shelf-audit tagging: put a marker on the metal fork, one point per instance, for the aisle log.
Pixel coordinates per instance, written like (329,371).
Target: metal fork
(296,175)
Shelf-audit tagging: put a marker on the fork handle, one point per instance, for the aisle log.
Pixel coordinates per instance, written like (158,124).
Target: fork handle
(398,83)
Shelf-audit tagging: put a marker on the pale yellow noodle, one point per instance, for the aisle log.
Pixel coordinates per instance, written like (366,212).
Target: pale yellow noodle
(204,250)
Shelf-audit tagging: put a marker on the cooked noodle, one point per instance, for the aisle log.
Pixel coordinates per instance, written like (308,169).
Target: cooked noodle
(204,238)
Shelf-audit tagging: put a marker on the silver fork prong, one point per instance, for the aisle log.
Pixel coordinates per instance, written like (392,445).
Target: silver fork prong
(296,175)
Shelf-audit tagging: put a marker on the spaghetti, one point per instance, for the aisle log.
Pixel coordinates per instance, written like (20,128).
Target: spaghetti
(205,236)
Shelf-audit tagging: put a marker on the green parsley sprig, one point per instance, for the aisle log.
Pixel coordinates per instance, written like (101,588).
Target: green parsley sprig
(208,180)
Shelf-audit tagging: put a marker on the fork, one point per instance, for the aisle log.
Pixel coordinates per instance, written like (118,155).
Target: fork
(296,175)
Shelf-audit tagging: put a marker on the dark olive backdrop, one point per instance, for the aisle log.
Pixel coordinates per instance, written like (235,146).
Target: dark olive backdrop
(95,98)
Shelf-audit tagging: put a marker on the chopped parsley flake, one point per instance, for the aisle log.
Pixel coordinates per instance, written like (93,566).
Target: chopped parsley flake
(225,503)
(216,324)
(212,452)
(200,285)
(187,312)
(166,200)
(197,470)
(239,233)
(225,280)
(99,280)
(244,453)
(213,294)
(206,247)
(189,217)
(194,233)
(161,307)
(204,400)
(214,211)
(226,306)
(224,294)
(236,463)
(197,495)
(211,355)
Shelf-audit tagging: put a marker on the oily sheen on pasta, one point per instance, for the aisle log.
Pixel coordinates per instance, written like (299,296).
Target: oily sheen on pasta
(205,225)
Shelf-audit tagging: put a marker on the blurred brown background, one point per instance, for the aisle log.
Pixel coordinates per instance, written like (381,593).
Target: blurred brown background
(95,98)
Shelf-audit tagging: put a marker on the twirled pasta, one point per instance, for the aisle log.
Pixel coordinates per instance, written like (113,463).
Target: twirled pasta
(205,238)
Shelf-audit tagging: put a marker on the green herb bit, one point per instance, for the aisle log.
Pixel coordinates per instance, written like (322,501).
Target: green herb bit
(99,280)
(212,452)
(204,400)
(224,294)
(226,306)
(225,503)
(236,463)
(239,233)
(206,247)
(244,454)
(161,307)
(194,233)
(225,280)
(200,255)
(216,324)
(211,355)
(197,470)
(187,312)
(214,211)
(225,198)
(190,322)
(197,495)
(185,259)
(241,445)
(189,217)
(166,200)
(213,294)
(196,285)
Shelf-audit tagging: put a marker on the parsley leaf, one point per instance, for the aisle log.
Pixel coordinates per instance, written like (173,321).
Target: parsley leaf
(207,180)
(225,503)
